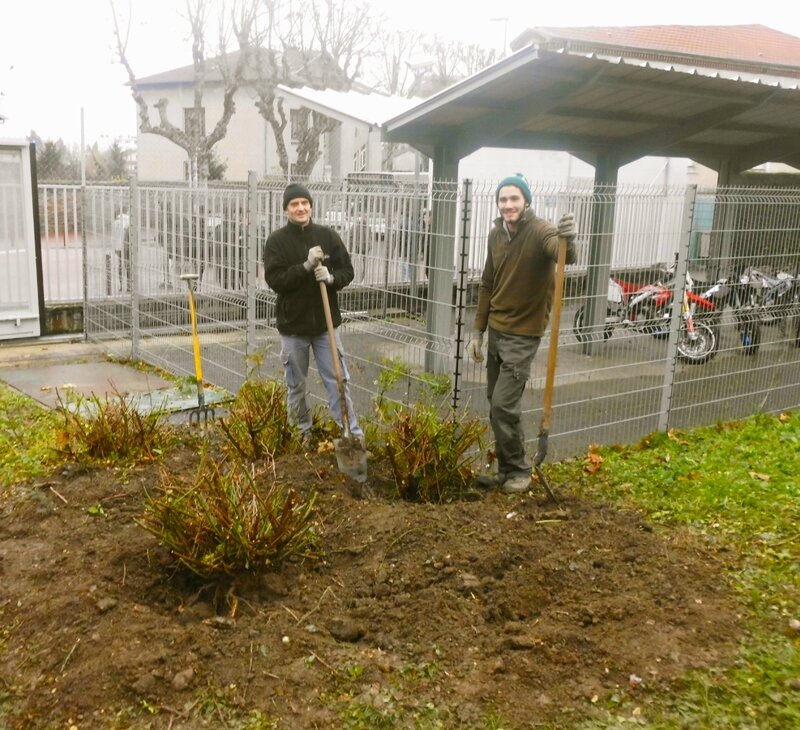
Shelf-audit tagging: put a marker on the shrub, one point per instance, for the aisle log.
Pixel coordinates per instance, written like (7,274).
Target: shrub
(399,386)
(230,520)
(257,426)
(109,429)
(432,458)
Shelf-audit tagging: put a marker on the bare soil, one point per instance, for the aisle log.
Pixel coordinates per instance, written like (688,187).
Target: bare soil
(507,607)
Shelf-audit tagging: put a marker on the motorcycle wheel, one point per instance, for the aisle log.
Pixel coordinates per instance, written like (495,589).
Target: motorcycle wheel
(751,337)
(581,332)
(699,349)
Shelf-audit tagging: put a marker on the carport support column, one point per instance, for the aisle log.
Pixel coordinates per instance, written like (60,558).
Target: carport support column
(601,249)
(442,268)
(724,223)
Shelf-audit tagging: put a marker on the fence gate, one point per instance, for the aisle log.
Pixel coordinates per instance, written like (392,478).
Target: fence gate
(19,281)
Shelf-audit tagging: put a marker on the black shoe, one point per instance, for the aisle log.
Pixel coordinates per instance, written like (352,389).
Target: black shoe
(490,481)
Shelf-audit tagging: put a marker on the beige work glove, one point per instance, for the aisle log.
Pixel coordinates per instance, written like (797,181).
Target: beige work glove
(321,273)
(315,256)
(566,227)
(474,347)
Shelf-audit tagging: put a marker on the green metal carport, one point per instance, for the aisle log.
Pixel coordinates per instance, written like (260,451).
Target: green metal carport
(607,105)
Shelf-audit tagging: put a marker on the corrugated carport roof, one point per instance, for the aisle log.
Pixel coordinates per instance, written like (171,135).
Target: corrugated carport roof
(595,103)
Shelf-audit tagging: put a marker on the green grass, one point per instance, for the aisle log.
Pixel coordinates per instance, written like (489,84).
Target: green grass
(737,485)
(27,437)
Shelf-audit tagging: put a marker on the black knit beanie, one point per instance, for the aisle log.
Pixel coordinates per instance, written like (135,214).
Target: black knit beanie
(296,190)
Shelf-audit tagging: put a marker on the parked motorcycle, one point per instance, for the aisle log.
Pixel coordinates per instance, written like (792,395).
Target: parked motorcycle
(775,297)
(759,299)
(743,299)
(648,309)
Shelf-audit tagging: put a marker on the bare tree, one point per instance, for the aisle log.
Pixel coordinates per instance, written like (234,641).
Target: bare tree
(238,20)
(320,44)
(475,58)
(452,61)
(393,67)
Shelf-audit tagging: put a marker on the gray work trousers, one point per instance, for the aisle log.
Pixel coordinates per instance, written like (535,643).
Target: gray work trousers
(296,359)
(508,367)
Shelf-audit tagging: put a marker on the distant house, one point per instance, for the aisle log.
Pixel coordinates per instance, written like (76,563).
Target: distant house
(356,144)
(352,145)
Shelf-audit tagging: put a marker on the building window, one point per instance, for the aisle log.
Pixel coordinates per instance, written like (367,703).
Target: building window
(360,159)
(299,123)
(194,121)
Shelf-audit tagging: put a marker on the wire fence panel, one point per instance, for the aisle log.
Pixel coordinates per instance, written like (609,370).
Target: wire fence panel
(682,308)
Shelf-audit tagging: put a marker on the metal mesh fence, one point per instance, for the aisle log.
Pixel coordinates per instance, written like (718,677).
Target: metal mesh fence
(629,361)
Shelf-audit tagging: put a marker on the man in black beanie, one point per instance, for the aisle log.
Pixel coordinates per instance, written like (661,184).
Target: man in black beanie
(296,258)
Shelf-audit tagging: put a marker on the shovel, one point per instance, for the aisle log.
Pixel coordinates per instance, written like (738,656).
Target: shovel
(351,457)
(547,415)
(202,411)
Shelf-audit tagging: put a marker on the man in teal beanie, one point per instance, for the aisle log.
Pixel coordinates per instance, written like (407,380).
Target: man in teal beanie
(514,301)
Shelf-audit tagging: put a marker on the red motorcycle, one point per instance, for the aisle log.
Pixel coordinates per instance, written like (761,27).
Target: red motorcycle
(648,308)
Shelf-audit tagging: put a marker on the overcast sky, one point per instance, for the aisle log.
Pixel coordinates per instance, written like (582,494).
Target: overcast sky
(57,57)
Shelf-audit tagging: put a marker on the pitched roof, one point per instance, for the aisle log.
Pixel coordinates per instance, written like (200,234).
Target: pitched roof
(370,109)
(601,101)
(740,46)
(295,66)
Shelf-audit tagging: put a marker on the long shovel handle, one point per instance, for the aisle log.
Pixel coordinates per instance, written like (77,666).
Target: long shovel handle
(547,415)
(554,329)
(198,360)
(323,290)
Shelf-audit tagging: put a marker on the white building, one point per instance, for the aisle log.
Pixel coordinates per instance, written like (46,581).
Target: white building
(353,145)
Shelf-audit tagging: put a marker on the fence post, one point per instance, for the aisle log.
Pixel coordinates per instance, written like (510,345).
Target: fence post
(251,261)
(133,263)
(678,289)
(84,263)
(466,227)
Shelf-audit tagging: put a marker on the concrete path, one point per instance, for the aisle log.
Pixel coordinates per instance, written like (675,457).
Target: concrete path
(53,371)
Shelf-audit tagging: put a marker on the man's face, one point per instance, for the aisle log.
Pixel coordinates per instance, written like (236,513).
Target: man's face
(299,211)
(510,203)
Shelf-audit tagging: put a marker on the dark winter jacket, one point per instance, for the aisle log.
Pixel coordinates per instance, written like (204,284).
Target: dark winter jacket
(299,308)
(516,290)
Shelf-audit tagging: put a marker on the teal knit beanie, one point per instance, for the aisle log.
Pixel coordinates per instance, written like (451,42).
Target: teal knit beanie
(517,180)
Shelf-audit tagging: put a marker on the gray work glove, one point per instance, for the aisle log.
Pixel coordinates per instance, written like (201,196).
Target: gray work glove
(474,347)
(315,256)
(321,273)
(566,227)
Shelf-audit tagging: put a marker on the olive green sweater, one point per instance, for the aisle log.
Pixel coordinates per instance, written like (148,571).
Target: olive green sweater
(516,290)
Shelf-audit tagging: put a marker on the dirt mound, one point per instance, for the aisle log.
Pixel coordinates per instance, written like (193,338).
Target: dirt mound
(508,607)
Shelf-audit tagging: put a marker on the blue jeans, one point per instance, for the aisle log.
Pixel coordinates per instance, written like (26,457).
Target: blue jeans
(508,367)
(295,359)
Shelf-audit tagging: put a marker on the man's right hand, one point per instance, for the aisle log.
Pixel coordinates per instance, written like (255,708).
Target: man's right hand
(315,256)
(474,347)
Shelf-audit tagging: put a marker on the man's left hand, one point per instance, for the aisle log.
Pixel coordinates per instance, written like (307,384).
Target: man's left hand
(566,227)
(321,273)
